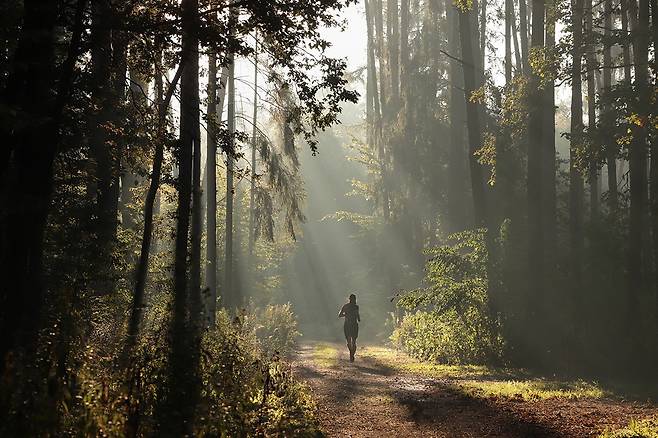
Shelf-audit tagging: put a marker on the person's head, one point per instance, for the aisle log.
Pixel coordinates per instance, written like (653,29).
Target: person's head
(352,298)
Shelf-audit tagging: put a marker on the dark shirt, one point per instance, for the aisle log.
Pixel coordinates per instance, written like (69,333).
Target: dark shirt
(351,313)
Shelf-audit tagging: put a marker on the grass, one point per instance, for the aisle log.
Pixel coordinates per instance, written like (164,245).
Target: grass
(533,389)
(647,428)
(473,380)
(325,355)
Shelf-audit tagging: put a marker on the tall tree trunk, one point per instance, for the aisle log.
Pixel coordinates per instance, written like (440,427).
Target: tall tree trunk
(591,112)
(549,165)
(639,17)
(653,172)
(576,190)
(535,169)
(523,30)
(508,41)
(229,293)
(379,27)
(215,108)
(404,42)
(457,155)
(472,114)
(182,397)
(483,33)
(393,37)
(28,153)
(254,146)
(376,103)
(607,117)
(515,40)
(102,154)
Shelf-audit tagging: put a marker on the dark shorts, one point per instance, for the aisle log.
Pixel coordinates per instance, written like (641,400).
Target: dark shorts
(351,330)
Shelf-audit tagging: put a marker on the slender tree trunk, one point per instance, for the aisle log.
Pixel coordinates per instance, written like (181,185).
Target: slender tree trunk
(653,172)
(102,154)
(626,48)
(472,114)
(535,166)
(576,190)
(508,41)
(254,146)
(183,393)
(379,25)
(515,40)
(591,112)
(606,116)
(215,108)
(523,23)
(457,155)
(229,298)
(393,37)
(549,165)
(376,103)
(404,43)
(639,17)
(483,33)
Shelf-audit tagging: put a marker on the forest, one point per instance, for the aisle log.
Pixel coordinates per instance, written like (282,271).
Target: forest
(191,189)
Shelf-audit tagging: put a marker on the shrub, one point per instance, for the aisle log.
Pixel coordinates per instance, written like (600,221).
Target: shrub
(275,328)
(449,318)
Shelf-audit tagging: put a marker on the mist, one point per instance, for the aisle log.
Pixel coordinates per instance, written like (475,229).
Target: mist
(328,218)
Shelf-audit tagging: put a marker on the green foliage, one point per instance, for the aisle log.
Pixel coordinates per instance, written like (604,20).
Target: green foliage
(635,429)
(247,393)
(450,319)
(274,327)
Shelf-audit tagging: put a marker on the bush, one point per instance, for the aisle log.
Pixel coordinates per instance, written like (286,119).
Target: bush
(275,328)
(246,392)
(450,319)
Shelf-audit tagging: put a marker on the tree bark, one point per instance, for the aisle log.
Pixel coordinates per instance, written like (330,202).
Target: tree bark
(472,115)
(183,392)
(576,190)
(29,153)
(534,177)
(215,109)
(549,165)
(457,155)
(254,145)
(393,38)
(639,18)
(229,298)
(606,116)
(591,113)
(523,30)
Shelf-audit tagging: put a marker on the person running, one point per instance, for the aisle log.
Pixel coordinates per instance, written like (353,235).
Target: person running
(350,312)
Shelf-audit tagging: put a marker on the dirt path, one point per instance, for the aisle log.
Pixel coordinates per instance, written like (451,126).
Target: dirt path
(370,398)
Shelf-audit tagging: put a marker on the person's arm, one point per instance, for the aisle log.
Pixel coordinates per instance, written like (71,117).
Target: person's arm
(342,312)
(358,316)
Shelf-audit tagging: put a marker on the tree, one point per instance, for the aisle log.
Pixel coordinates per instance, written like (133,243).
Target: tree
(230,300)
(590,64)
(575,177)
(254,145)
(184,355)
(472,112)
